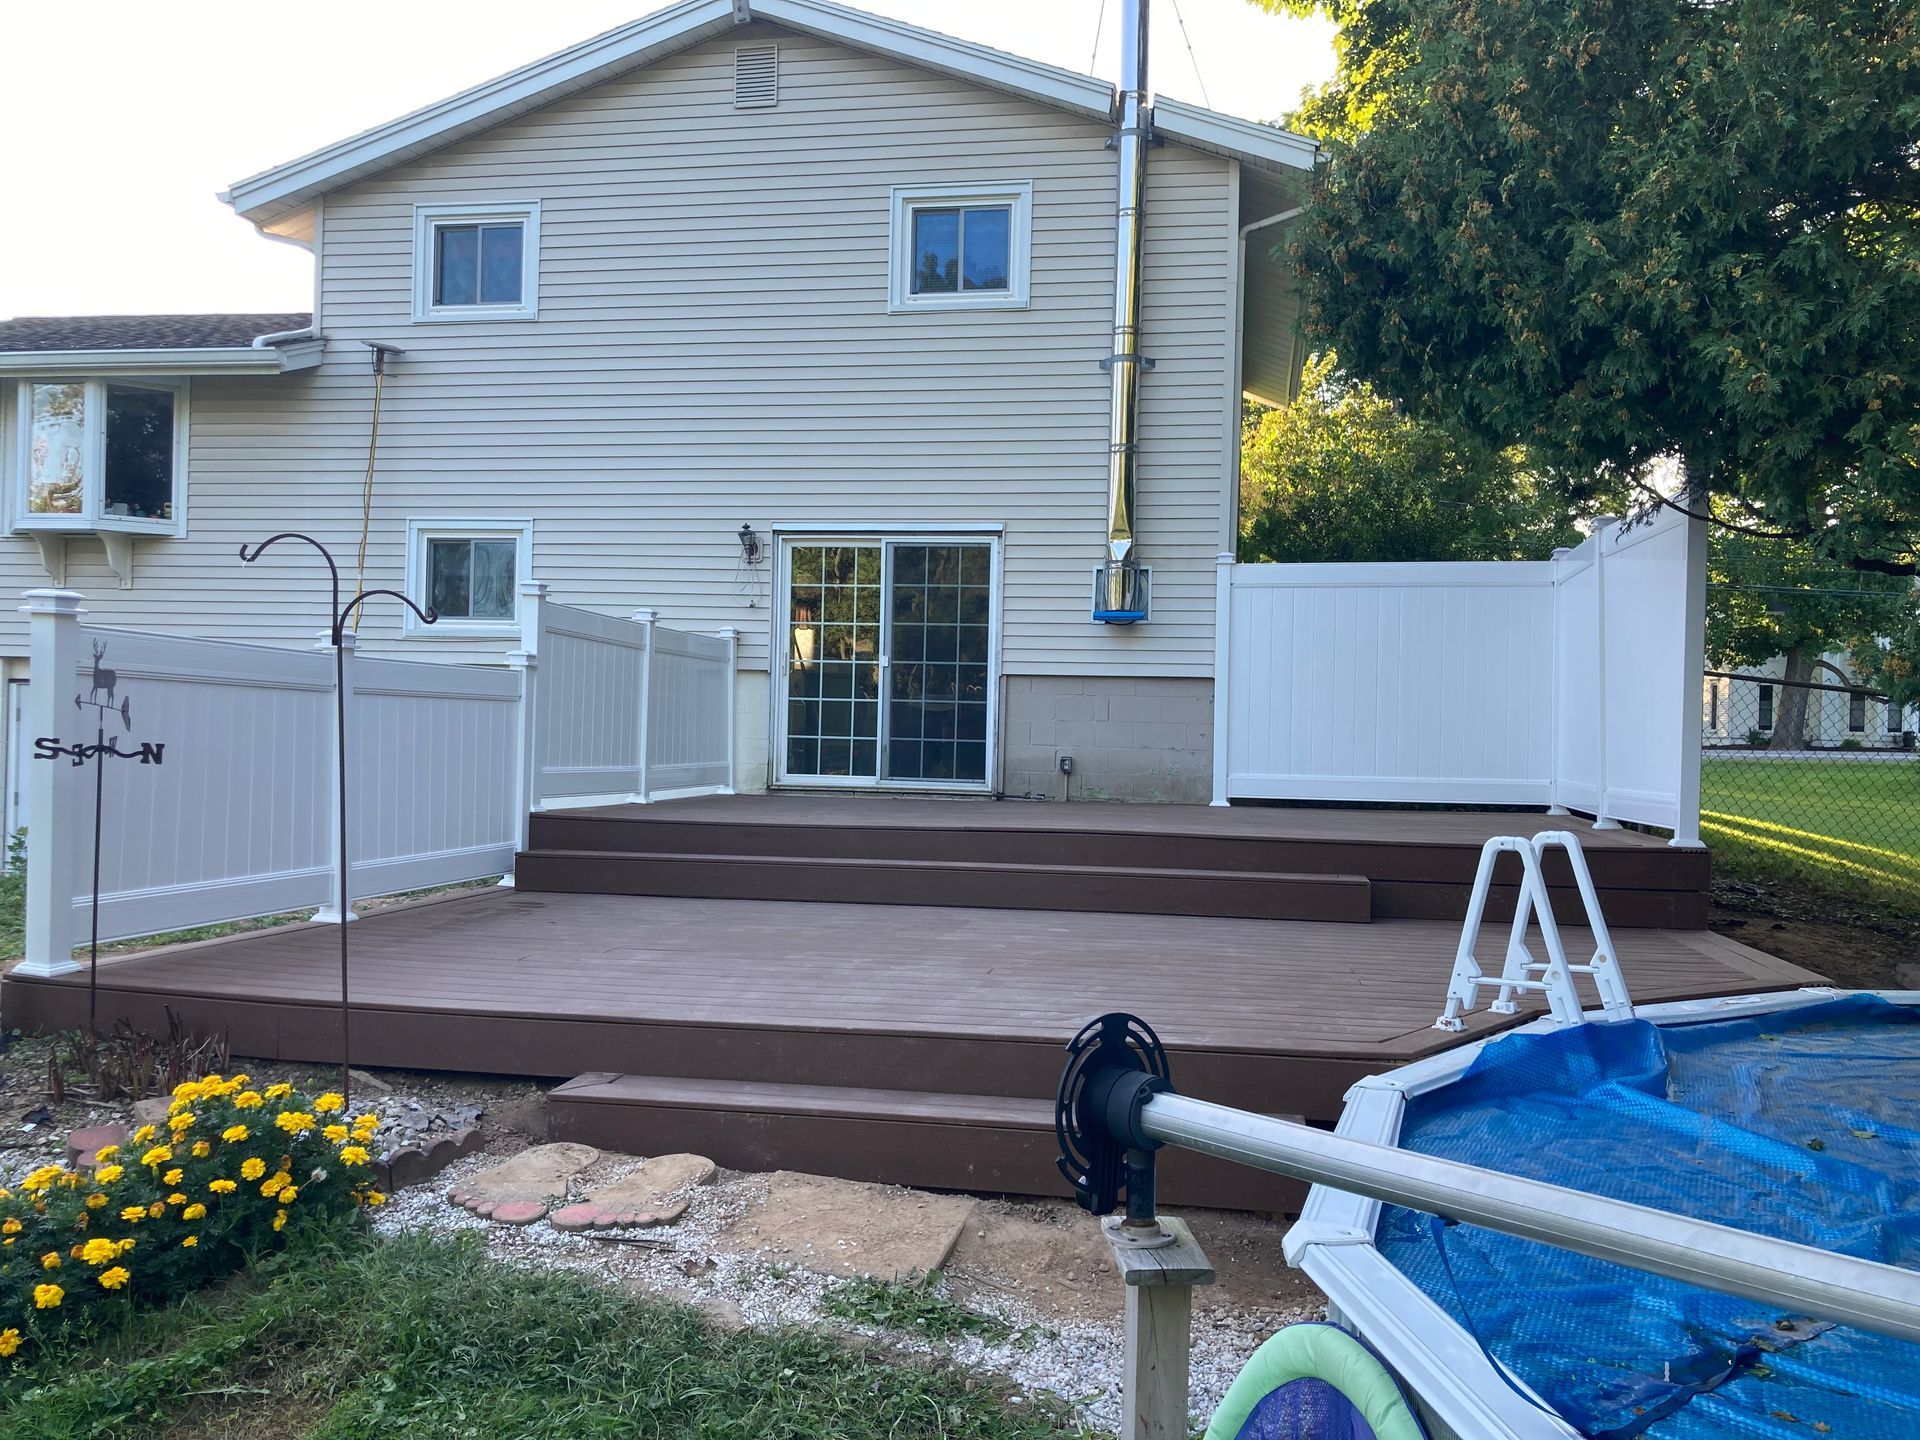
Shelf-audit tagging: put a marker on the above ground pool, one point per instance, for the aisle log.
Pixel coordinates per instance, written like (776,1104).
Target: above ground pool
(1790,1116)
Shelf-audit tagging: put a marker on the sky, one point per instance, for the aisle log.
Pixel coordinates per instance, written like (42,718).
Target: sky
(141,119)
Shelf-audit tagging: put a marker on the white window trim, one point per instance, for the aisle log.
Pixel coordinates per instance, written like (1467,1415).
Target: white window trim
(92,518)
(428,218)
(908,198)
(421,529)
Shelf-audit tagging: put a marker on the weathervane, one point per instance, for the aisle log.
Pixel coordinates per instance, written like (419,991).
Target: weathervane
(101,682)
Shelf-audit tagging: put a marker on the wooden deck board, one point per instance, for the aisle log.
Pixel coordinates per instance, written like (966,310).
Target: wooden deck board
(1245,987)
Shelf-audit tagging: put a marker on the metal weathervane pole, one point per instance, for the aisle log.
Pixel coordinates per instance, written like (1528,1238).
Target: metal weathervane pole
(339,615)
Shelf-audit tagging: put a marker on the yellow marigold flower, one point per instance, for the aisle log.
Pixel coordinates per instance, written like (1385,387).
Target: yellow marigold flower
(222,1187)
(9,1341)
(172,1177)
(354,1155)
(195,1211)
(248,1100)
(99,1252)
(191,1089)
(134,1214)
(190,1242)
(275,1183)
(367,1119)
(157,1209)
(275,1092)
(279,1220)
(107,1174)
(335,1133)
(96,1200)
(48,1297)
(157,1156)
(294,1122)
(144,1135)
(126,1245)
(75,1252)
(234,1134)
(201,1149)
(328,1103)
(288,1195)
(9,1240)
(374,1197)
(176,1198)
(50,1260)
(115,1278)
(252,1168)
(105,1152)
(11,1226)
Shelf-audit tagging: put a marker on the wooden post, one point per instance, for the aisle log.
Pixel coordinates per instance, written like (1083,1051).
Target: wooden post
(59,809)
(1159,1335)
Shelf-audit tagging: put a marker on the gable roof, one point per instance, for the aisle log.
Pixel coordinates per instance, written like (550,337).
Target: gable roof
(275,194)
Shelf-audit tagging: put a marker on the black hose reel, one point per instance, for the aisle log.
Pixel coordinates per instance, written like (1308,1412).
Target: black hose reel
(1114,1067)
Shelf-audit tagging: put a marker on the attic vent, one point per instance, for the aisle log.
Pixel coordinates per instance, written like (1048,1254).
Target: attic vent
(756,77)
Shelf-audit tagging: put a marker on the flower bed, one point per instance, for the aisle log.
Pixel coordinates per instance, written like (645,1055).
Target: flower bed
(224,1180)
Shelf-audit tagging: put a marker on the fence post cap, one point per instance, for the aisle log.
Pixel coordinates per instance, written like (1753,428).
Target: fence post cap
(1225,558)
(535,588)
(348,641)
(646,616)
(729,632)
(52,602)
(522,659)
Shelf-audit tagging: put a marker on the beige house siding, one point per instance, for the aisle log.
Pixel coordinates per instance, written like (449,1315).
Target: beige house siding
(714,347)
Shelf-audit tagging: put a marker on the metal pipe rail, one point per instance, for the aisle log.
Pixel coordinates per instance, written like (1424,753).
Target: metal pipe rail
(1799,1279)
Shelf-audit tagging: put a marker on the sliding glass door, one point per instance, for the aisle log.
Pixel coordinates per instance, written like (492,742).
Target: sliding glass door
(888,675)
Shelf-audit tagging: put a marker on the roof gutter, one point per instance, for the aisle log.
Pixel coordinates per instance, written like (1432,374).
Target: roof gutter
(1120,596)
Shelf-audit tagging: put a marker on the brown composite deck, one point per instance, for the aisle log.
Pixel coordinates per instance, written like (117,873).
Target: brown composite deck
(559,984)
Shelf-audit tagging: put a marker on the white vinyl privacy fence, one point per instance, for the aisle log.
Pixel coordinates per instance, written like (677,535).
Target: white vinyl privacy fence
(232,812)
(1572,682)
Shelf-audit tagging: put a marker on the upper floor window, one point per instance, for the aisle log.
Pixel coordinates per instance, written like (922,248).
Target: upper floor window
(961,247)
(100,454)
(476,263)
(470,571)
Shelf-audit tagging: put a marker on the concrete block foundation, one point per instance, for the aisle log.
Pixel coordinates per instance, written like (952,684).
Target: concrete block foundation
(1148,739)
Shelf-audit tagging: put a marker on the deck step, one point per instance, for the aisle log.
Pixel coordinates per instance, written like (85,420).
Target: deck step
(1000,885)
(983,1143)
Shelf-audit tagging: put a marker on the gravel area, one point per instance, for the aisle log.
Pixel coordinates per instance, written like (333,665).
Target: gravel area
(1078,1360)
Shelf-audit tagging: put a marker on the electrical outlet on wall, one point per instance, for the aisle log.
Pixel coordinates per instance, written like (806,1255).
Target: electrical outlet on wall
(1066,764)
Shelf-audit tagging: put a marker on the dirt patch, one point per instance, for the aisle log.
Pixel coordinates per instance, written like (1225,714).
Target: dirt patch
(1853,946)
(843,1227)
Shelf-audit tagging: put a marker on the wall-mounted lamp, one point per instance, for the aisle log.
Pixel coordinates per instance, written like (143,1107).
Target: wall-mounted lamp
(752,550)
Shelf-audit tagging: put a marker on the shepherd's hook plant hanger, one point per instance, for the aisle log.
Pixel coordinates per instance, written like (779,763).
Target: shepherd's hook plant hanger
(338,616)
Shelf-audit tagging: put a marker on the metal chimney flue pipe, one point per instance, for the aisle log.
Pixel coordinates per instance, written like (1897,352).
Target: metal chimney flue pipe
(1120,595)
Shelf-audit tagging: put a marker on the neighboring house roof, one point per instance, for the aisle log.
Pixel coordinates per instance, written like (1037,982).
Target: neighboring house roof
(275,195)
(155,344)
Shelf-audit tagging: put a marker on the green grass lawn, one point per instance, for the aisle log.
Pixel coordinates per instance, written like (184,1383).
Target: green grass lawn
(1848,826)
(429,1338)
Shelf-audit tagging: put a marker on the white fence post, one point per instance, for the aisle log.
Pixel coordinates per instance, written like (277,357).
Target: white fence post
(526,660)
(1686,824)
(338,909)
(731,634)
(57,815)
(1222,670)
(650,619)
(1604,531)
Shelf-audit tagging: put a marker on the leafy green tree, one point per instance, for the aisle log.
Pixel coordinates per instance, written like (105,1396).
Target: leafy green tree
(1629,232)
(1342,474)
(1777,598)
(1890,662)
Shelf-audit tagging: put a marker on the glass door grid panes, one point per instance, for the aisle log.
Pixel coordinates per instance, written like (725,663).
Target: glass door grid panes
(907,623)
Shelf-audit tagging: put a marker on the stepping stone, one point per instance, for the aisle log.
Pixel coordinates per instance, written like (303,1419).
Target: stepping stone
(844,1227)
(85,1143)
(533,1178)
(651,1195)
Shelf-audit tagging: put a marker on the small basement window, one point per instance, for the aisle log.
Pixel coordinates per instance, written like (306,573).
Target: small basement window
(476,264)
(101,455)
(961,248)
(469,571)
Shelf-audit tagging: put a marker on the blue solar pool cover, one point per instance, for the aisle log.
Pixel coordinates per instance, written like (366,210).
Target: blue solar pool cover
(1803,1124)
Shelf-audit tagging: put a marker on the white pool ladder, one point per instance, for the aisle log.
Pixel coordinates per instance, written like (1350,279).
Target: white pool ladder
(1552,977)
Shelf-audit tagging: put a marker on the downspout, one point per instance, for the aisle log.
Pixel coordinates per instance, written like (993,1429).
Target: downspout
(1121,594)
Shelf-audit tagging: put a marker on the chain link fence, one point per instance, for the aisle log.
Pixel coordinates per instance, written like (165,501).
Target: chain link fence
(1816,784)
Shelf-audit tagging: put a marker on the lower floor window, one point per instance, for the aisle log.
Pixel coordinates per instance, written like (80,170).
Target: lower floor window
(469,571)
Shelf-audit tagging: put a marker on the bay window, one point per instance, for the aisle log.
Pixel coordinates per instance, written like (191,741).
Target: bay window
(100,455)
